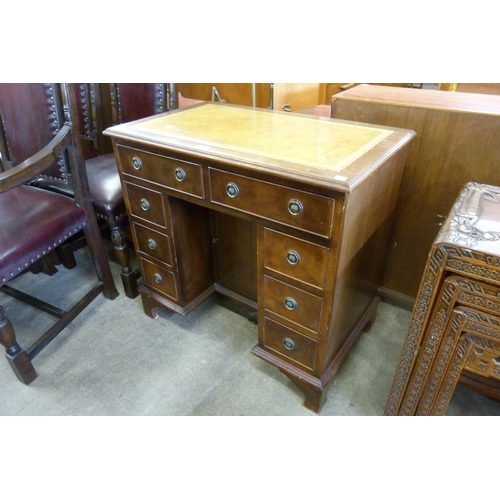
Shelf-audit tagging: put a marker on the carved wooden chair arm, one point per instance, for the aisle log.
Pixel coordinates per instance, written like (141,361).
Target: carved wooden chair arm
(29,169)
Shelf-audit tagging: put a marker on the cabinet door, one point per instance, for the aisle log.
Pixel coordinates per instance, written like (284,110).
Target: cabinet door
(235,254)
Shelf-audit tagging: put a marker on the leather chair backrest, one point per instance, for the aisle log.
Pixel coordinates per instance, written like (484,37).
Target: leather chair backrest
(89,117)
(32,115)
(131,101)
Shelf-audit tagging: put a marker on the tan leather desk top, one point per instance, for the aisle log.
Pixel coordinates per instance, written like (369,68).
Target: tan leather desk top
(322,151)
(312,143)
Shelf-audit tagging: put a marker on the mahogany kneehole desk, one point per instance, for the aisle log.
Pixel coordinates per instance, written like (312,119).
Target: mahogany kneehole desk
(319,195)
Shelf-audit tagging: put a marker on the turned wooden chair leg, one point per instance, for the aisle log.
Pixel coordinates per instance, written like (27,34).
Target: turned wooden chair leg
(67,256)
(46,265)
(49,263)
(129,277)
(16,356)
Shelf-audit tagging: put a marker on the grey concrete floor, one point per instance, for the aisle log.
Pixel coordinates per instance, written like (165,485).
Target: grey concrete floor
(113,360)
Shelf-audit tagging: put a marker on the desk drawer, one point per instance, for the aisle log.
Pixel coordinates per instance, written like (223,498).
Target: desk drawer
(152,243)
(180,175)
(159,279)
(294,257)
(146,204)
(288,206)
(292,304)
(289,344)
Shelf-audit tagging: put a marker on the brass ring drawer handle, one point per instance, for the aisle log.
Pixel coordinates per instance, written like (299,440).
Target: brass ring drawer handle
(290,303)
(295,207)
(158,278)
(232,190)
(180,175)
(145,204)
(136,163)
(289,344)
(152,244)
(293,257)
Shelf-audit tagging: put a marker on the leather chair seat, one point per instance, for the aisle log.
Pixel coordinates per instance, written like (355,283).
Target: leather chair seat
(57,218)
(105,188)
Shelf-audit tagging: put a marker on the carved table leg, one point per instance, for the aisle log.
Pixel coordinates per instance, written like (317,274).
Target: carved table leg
(67,256)
(443,397)
(17,357)
(441,362)
(129,277)
(431,340)
(429,287)
(463,350)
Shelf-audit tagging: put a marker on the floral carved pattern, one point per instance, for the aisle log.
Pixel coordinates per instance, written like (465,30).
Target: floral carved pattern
(467,212)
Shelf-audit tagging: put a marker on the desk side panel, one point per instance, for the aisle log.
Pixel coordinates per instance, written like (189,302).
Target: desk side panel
(364,235)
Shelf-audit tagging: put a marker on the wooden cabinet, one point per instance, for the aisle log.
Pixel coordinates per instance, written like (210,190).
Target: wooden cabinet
(336,88)
(458,141)
(475,88)
(317,195)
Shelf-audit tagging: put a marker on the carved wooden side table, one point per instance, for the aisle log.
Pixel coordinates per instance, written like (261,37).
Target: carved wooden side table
(471,343)
(461,278)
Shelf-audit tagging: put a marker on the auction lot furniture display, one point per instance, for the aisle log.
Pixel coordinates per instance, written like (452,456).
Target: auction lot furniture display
(454,331)
(320,194)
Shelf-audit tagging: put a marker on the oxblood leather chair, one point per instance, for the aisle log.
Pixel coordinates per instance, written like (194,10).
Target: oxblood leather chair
(90,119)
(128,102)
(132,101)
(34,222)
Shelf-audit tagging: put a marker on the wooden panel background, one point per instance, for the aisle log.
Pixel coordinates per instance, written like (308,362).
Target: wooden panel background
(298,95)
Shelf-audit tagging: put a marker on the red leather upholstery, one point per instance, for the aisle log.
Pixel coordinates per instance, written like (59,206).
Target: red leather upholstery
(127,101)
(138,100)
(23,242)
(34,222)
(24,134)
(105,188)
